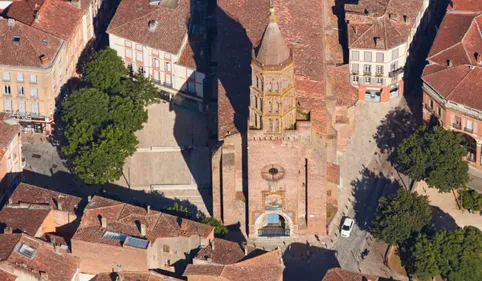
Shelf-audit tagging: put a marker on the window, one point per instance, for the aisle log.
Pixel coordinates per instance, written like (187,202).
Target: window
(155,52)
(141,70)
(7,90)
(34,93)
(355,68)
(156,75)
(128,44)
(168,80)
(394,66)
(33,78)
(367,56)
(139,56)
(354,78)
(7,105)
(379,57)
(379,69)
(167,66)
(21,92)
(25,250)
(21,106)
(138,47)
(167,56)
(469,126)
(6,76)
(155,62)
(355,55)
(439,111)
(35,108)
(19,77)
(379,81)
(367,69)
(167,262)
(128,53)
(165,248)
(368,80)
(191,86)
(394,53)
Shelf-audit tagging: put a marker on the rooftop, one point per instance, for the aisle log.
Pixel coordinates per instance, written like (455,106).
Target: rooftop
(26,193)
(132,18)
(26,220)
(338,274)
(266,267)
(381,24)
(227,252)
(124,220)
(28,253)
(133,276)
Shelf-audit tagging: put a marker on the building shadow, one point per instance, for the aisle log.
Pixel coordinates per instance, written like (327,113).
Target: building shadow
(307,262)
(397,125)
(367,190)
(418,52)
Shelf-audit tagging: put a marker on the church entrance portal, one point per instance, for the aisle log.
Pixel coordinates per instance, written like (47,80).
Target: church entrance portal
(274,225)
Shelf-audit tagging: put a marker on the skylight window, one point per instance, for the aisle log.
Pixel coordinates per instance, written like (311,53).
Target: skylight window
(16,39)
(136,242)
(27,251)
(109,235)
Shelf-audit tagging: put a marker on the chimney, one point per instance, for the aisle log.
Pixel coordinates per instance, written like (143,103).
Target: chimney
(405,18)
(37,16)
(44,276)
(44,60)
(245,249)
(212,245)
(8,230)
(148,209)
(210,260)
(152,25)
(57,248)
(103,222)
(378,42)
(478,58)
(142,227)
(89,198)
(59,205)
(75,3)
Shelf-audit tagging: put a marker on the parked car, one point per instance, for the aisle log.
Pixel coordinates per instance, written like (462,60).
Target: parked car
(347,227)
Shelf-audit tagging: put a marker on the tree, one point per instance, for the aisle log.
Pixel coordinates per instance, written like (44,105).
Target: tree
(219,227)
(139,89)
(458,255)
(179,211)
(434,155)
(104,69)
(397,217)
(471,199)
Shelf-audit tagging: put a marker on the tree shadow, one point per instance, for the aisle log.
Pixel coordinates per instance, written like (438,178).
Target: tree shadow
(367,191)
(307,262)
(397,125)
(442,220)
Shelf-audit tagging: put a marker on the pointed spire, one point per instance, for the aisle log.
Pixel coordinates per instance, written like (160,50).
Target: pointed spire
(272,49)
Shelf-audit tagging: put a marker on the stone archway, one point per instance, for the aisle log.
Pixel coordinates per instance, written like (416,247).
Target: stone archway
(470,145)
(273,224)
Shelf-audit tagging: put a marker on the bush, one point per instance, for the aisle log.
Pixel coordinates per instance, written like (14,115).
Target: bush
(470,199)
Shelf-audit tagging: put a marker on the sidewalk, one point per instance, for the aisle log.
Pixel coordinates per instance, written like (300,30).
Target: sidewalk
(475,181)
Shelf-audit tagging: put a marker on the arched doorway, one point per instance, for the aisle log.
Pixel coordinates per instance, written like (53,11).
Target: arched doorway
(470,145)
(273,225)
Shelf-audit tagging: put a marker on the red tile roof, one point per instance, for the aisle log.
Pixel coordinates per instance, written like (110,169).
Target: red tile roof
(7,131)
(385,20)
(26,193)
(240,27)
(5,276)
(226,252)
(133,276)
(191,54)
(24,219)
(131,22)
(58,266)
(267,267)
(465,6)
(338,274)
(346,94)
(57,17)
(124,218)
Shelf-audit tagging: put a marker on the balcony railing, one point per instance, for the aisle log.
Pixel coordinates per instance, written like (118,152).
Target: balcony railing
(395,72)
(366,73)
(457,126)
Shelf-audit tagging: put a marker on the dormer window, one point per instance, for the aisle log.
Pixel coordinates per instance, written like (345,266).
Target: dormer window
(449,63)
(366,12)
(152,25)
(405,18)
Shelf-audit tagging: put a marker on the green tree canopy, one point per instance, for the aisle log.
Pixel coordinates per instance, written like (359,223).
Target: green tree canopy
(454,254)
(471,199)
(105,69)
(219,227)
(434,155)
(397,217)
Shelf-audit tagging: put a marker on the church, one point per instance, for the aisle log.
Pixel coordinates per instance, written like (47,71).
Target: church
(271,179)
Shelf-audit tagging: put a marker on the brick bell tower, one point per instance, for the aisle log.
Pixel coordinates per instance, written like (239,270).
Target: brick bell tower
(286,190)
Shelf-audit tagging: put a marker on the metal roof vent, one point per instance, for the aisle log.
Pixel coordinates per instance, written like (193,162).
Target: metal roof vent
(152,25)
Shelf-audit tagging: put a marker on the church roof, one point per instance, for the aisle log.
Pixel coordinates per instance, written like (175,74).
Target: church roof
(272,49)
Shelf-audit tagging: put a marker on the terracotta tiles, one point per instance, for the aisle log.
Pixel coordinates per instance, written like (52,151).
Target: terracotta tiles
(131,22)
(126,219)
(133,276)
(465,6)
(333,173)
(26,193)
(338,274)
(24,219)
(7,133)
(5,276)
(346,94)
(226,252)
(58,266)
